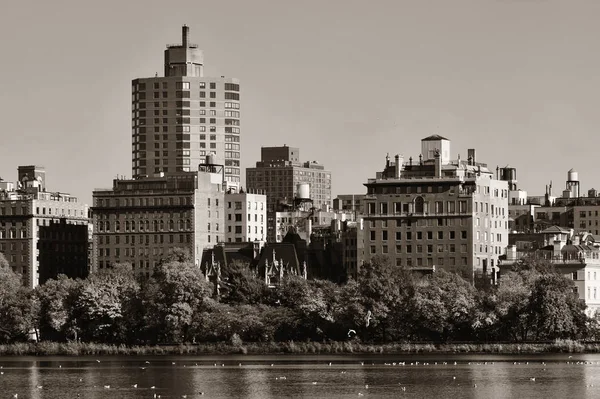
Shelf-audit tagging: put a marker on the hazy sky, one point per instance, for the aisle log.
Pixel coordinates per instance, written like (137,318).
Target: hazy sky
(346,81)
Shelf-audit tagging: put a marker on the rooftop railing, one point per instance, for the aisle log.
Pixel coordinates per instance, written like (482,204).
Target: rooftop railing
(190,45)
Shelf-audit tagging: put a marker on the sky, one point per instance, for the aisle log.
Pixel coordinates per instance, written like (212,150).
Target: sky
(345,81)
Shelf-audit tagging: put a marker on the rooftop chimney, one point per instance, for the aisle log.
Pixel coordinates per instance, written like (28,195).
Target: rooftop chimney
(438,164)
(471,155)
(397,166)
(185,30)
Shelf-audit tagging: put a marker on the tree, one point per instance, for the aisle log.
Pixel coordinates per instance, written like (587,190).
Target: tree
(221,322)
(442,306)
(555,310)
(15,306)
(384,291)
(177,254)
(55,300)
(510,305)
(107,306)
(309,302)
(173,298)
(3,262)
(241,286)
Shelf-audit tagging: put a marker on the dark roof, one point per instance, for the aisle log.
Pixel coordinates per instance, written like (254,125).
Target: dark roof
(434,137)
(554,230)
(225,254)
(575,248)
(283,251)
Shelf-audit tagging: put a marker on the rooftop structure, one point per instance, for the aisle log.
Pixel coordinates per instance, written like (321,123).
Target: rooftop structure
(437,212)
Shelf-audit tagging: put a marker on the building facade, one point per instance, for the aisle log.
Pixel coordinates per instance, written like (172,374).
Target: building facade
(139,221)
(63,249)
(245,217)
(181,117)
(303,221)
(279,173)
(349,202)
(437,212)
(27,213)
(353,247)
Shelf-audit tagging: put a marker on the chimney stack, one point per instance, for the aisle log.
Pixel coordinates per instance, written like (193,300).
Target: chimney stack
(185,30)
(397,166)
(438,164)
(471,155)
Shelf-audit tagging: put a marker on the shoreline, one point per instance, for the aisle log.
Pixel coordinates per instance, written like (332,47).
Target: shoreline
(308,348)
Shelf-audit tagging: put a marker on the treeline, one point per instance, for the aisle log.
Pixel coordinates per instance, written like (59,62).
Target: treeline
(385,304)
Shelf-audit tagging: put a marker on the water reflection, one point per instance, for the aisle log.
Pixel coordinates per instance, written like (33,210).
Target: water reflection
(304,377)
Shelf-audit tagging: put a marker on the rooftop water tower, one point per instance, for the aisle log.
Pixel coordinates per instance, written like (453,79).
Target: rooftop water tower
(573,183)
(302,194)
(509,175)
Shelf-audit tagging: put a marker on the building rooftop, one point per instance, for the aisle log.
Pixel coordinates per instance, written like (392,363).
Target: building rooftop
(555,230)
(434,137)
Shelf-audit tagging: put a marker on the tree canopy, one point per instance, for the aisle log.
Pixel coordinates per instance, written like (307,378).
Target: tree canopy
(385,303)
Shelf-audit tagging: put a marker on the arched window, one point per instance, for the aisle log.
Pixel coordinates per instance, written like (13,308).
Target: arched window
(155,224)
(117,226)
(181,226)
(162,225)
(188,224)
(127,225)
(107,226)
(171,225)
(419,205)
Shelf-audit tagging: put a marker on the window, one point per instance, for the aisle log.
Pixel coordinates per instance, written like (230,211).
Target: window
(383,206)
(371,207)
(439,207)
(419,205)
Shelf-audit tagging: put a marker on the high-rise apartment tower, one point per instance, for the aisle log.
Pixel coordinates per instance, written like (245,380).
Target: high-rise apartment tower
(180,118)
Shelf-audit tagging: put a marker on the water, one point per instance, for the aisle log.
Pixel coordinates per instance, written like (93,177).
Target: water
(474,376)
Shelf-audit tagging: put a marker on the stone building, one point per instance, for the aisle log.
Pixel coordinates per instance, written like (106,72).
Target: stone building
(28,213)
(139,221)
(437,212)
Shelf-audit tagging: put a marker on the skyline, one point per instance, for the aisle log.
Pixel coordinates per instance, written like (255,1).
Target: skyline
(512,79)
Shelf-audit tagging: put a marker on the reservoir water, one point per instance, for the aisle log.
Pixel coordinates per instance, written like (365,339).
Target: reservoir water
(310,376)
